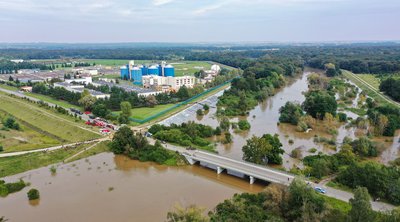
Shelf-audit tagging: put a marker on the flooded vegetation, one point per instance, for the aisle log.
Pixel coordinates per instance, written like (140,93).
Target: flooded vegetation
(264,119)
(106,187)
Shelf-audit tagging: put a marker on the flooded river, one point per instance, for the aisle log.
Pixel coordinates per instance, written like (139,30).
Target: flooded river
(264,118)
(114,188)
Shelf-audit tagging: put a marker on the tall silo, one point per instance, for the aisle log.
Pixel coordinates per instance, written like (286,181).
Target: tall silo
(124,72)
(153,70)
(137,75)
(169,70)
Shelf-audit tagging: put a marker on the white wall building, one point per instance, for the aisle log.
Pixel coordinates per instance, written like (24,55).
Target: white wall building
(83,80)
(151,81)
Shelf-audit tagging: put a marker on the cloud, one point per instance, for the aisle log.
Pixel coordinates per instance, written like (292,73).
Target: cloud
(161,2)
(209,8)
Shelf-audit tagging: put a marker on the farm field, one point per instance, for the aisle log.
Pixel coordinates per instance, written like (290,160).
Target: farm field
(52,124)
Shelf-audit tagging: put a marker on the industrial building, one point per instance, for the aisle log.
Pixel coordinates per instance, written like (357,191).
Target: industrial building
(128,88)
(135,73)
(79,89)
(166,83)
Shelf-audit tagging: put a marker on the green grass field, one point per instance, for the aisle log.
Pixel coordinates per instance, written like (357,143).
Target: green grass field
(18,164)
(145,112)
(371,79)
(11,88)
(24,139)
(47,122)
(369,89)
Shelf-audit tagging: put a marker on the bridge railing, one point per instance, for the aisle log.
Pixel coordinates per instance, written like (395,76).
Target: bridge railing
(249,164)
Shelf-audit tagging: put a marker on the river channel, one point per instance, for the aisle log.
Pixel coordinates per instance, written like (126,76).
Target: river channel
(264,118)
(106,187)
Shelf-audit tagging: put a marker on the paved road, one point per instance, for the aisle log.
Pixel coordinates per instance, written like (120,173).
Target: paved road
(51,148)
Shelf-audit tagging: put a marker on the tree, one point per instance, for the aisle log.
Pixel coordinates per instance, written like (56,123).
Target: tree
(1,148)
(361,210)
(318,103)
(188,214)
(228,137)
(87,100)
(11,123)
(200,112)
(303,203)
(11,79)
(122,140)
(126,109)
(151,101)
(244,125)
(364,147)
(33,194)
(290,113)
(183,93)
(100,110)
(263,150)
(224,124)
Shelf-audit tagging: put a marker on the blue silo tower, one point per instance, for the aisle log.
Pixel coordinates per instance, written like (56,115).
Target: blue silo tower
(153,70)
(124,72)
(144,69)
(169,70)
(137,75)
(160,70)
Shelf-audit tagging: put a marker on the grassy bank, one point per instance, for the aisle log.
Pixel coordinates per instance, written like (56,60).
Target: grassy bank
(18,164)
(45,121)
(99,148)
(369,89)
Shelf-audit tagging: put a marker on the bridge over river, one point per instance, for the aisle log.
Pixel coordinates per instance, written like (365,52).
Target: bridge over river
(252,171)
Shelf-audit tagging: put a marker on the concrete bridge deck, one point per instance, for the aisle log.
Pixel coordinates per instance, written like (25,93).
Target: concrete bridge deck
(251,170)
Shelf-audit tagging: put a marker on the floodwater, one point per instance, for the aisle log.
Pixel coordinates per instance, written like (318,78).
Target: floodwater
(106,187)
(264,118)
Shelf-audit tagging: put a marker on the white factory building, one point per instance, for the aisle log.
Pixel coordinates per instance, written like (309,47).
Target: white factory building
(164,82)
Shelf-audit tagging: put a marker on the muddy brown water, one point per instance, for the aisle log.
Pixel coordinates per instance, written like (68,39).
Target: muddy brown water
(264,118)
(114,188)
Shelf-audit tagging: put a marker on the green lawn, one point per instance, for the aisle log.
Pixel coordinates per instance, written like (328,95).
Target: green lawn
(371,79)
(9,87)
(24,139)
(18,164)
(48,122)
(144,112)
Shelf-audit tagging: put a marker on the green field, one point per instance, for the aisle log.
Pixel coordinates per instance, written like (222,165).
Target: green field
(371,79)
(18,164)
(24,139)
(52,124)
(145,112)
(369,89)
(99,148)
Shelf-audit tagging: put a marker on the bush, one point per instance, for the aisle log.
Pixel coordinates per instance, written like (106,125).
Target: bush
(206,107)
(244,125)
(342,117)
(200,112)
(33,194)
(11,123)
(1,148)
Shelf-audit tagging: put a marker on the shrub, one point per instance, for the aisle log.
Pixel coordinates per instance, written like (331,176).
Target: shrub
(33,194)
(206,107)
(1,148)
(53,170)
(200,112)
(312,150)
(244,125)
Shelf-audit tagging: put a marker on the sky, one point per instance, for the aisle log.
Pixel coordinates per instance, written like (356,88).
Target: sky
(98,21)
